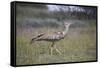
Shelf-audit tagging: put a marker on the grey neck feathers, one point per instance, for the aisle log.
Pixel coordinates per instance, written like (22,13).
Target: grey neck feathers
(66,30)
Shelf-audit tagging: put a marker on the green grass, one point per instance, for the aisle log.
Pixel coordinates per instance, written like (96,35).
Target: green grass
(78,45)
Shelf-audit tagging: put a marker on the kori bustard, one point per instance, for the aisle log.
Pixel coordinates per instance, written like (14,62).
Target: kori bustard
(56,36)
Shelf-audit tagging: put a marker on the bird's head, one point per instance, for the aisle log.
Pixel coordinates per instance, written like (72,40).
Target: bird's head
(67,24)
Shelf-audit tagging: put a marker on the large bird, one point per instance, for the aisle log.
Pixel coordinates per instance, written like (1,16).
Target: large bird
(56,36)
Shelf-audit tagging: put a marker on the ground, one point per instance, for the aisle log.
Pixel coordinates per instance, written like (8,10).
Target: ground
(78,45)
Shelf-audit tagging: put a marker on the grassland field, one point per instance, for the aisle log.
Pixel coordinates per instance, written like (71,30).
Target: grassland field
(78,45)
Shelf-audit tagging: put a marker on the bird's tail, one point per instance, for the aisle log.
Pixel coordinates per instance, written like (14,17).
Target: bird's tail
(36,37)
(32,40)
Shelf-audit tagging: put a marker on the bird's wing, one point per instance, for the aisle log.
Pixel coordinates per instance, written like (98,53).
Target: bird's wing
(39,35)
(54,36)
(48,37)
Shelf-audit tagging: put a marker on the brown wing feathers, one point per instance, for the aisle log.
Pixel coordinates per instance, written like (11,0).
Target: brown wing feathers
(36,37)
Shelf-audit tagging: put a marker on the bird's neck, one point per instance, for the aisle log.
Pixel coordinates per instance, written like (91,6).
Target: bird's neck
(66,29)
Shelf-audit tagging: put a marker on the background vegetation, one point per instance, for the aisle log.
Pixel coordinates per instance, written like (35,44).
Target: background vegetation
(78,45)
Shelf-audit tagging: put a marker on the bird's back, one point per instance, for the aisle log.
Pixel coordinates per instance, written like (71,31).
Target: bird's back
(51,37)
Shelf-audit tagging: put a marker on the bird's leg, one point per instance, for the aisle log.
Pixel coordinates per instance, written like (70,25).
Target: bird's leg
(57,50)
(52,48)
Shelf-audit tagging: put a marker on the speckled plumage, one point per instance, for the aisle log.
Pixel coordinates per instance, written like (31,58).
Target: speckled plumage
(56,36)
